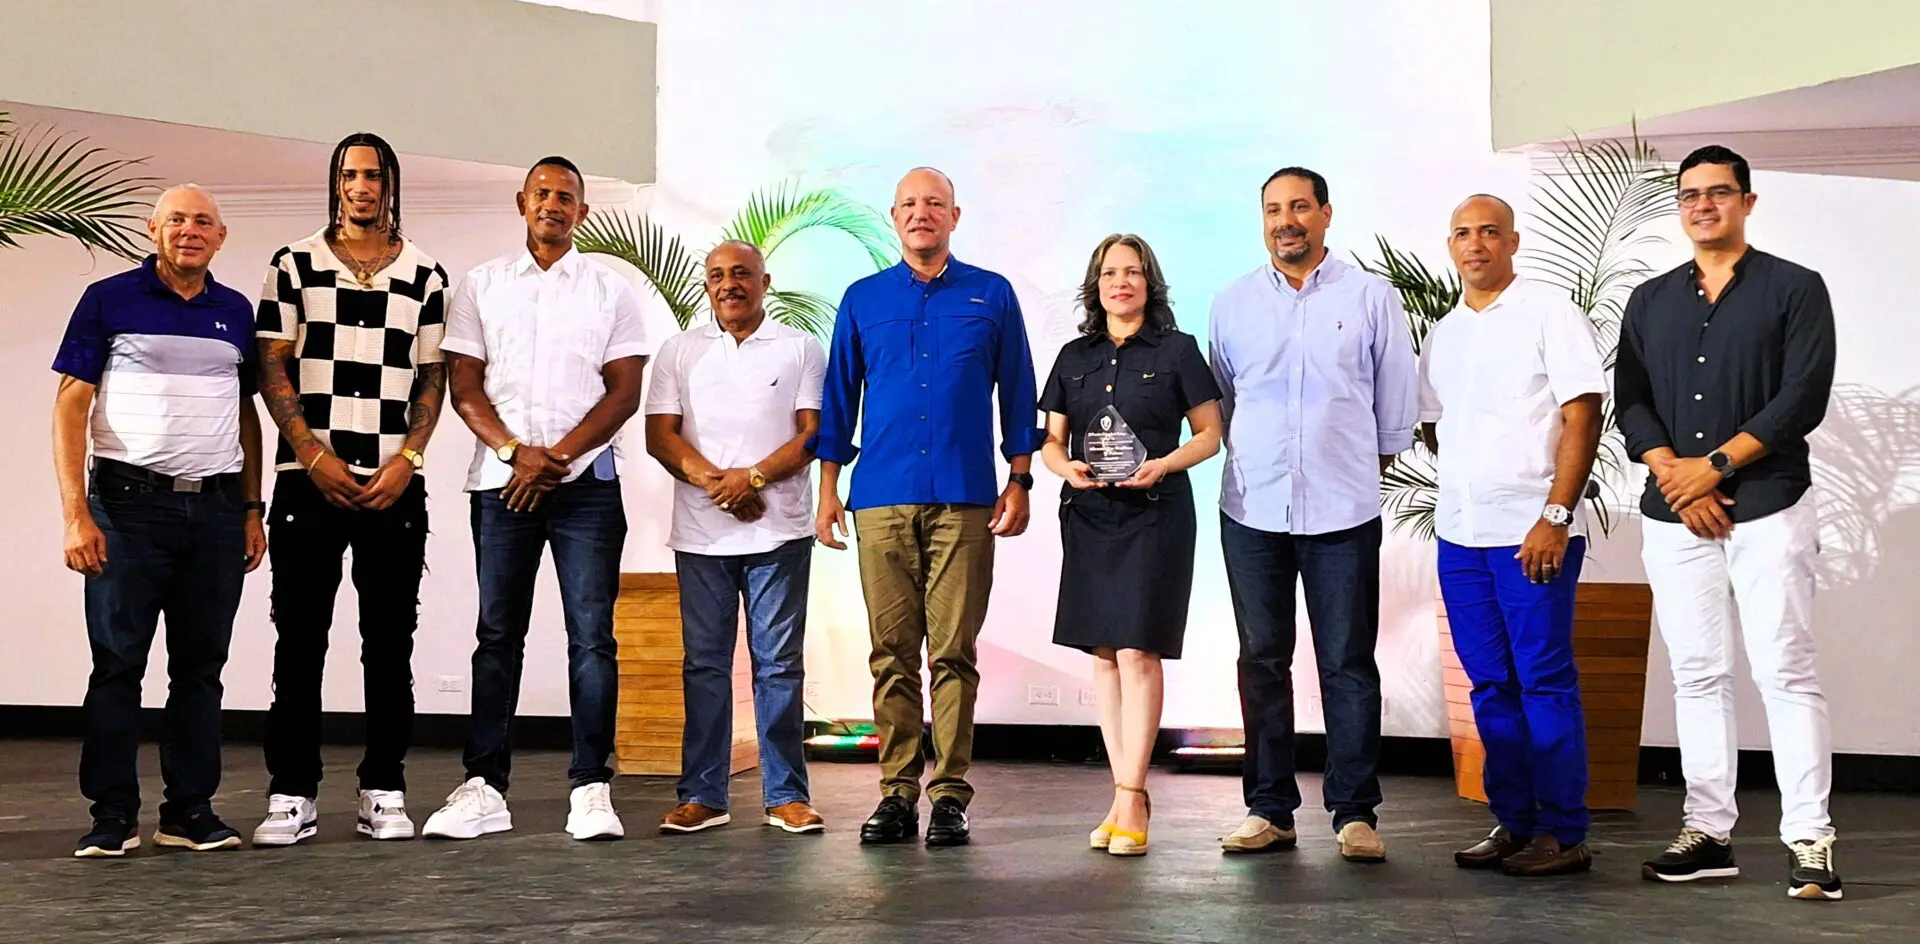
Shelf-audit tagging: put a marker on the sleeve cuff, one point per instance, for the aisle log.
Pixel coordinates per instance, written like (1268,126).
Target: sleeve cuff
(617,351)
(1429,416)
(835,452)
(1025,442)
(464,346)
(1395,441)
(263,335)
(663,409)
(804,403)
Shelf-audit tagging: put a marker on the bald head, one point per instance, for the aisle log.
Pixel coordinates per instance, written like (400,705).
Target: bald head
(737,284)
(924,214)
(1482,240)
(186,229)
(1481,203)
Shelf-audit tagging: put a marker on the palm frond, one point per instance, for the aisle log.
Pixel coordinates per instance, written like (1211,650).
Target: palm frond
(1410,492)
(805,311)
(1426,296)
(51,185)
(773,216)
(664,260)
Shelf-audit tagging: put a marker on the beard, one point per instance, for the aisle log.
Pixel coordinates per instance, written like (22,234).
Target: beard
(1292,255)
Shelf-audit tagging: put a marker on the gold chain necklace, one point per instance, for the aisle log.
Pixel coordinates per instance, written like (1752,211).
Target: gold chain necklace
(363,270)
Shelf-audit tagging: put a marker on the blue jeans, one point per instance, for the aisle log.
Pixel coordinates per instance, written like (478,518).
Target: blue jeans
(586,524)
(1515,641)
(774,585)
(1341,573)
(184,555)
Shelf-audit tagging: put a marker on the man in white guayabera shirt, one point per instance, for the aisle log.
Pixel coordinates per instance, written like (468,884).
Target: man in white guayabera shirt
(157,374)
(544,356)
(731,408)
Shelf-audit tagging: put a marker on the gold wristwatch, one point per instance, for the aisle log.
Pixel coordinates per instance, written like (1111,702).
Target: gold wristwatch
(506,450)
(419,461)
(755,479)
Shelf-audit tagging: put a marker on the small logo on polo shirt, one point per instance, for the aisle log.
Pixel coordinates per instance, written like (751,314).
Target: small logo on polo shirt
(977,301)
(219,326)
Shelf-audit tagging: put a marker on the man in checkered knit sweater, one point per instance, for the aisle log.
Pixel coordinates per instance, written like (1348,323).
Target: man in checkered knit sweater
(349,328)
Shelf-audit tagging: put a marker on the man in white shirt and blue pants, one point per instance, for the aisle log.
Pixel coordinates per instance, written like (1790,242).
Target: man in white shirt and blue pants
(732,405)
(1510,400)
(544,353)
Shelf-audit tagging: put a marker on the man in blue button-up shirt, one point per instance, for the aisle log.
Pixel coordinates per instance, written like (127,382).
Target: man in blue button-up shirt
(1320,393)
(926,342)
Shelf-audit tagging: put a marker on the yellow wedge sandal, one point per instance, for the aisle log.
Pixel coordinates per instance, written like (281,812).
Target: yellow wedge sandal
(1125,842)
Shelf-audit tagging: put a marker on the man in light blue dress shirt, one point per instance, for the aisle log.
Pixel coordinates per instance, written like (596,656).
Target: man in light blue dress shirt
(1320,393)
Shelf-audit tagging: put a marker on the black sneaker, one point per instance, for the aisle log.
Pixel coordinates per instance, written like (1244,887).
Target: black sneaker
(947,826)
(200,831)
(1812,876)
(1694,855)
(110,838)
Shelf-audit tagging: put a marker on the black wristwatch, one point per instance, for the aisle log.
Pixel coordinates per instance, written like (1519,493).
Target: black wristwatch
(1721,462)
(258,506)
(1022,479)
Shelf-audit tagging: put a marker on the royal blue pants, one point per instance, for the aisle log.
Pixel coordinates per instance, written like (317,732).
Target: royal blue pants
(1515,640)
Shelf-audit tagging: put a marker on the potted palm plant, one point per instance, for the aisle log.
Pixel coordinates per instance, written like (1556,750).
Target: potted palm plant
(1591,212)
(647,739)
(51,185)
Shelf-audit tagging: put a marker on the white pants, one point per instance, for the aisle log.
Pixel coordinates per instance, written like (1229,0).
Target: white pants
(1765,571)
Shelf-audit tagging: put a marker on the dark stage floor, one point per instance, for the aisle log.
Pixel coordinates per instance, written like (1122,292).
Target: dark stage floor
(1027,878)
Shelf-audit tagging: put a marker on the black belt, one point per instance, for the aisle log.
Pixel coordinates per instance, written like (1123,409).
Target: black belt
(165,483)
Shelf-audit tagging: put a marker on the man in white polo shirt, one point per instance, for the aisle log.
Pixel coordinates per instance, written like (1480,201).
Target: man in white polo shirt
(544,353)
(1512,380)
(729,413)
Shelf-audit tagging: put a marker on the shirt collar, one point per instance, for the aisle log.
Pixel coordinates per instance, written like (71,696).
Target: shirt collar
(1516,292)
(952,267)
(1739,266)
(567,265)
(765,332)
(1146,335)
(324,258)
(1329,269)
(150,280)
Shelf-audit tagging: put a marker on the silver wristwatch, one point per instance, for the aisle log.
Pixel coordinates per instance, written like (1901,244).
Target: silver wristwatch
(1557,515)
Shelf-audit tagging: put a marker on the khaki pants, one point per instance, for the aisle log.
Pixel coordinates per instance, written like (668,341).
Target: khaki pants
(926,571)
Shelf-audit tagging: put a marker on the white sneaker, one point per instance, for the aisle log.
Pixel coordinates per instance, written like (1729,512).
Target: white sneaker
(289,820)
(383,815)
(591,815)
(473,810)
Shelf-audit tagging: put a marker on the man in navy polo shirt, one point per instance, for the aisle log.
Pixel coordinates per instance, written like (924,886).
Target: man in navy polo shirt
(926,342)
(157,373)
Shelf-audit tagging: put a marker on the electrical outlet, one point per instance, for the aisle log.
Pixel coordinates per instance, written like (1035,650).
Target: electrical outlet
(1086,697)
(812,691)
(452,683)
(1043,695)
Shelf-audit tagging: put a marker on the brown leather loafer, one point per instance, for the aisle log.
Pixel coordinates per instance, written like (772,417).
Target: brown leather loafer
(796,817)
(1488,853)
(1544,856)
(692,817)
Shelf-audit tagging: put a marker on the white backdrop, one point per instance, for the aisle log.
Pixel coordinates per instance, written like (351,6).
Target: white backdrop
(1059,126)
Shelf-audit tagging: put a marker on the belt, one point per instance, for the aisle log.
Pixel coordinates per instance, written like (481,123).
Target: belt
(165,483)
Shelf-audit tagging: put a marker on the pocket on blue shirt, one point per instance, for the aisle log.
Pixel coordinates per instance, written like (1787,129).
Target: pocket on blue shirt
(887,345)
(966,340)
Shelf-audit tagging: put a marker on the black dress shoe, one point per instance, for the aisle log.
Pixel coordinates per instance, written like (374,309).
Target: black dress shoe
(948,824)
(895,820)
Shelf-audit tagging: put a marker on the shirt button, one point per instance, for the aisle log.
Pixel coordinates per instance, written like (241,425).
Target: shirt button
(923,386)
(1109,388)
(1699,435)
(1702,358)
(1698,396)
(924,355)
(923,452)
(1114,361)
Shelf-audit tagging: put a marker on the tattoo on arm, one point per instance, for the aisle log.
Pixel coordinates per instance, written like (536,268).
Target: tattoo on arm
(429,391)
(283,401)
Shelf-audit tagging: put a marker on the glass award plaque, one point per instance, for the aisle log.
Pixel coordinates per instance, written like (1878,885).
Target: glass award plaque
(1111,450)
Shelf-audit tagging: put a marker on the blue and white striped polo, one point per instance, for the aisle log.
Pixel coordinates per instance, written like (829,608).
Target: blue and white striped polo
(172,372)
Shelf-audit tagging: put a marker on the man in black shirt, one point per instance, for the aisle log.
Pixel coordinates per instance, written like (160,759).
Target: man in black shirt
(1724,368)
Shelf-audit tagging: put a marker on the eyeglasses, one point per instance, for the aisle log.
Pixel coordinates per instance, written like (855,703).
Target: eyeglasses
(1718,194)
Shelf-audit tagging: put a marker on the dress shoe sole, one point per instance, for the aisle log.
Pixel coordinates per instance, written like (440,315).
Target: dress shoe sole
(880,839)
(948,840)
(1480,864)
(1567,868)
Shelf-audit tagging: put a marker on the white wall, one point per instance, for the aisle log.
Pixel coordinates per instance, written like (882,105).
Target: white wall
(44,629)
(1059,128)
